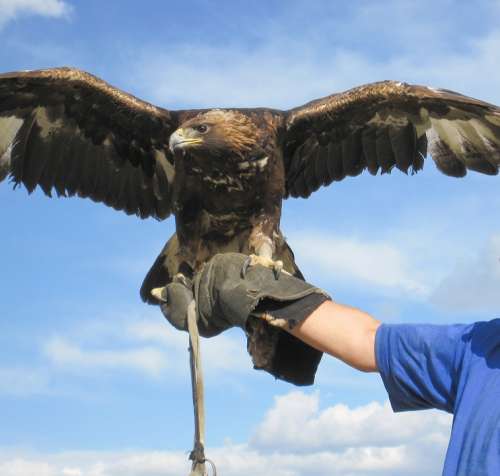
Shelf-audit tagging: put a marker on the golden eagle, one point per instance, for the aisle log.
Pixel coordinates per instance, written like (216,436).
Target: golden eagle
(223,173)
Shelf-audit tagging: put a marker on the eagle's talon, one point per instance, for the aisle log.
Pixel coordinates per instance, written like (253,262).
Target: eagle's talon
(252,260)
(246,264)
(278,268)
(157,293)
(180,278)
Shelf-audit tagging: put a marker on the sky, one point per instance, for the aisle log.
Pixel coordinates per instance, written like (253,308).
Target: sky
(95,383)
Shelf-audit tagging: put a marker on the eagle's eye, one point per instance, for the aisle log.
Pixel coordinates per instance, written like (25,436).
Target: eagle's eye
(202,128)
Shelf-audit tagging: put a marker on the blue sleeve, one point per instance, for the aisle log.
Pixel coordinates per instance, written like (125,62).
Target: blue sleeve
(420,364)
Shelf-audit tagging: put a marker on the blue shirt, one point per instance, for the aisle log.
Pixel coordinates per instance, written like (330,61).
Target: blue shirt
(455,368)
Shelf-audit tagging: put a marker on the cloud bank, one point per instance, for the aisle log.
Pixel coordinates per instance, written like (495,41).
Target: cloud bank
(295,438)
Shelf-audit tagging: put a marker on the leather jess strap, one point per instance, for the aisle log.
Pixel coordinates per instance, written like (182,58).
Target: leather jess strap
(197,455)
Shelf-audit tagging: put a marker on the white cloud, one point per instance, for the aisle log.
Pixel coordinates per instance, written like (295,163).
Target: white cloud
(287,443)
(220,353)
(11,9)
(377,263)
(231,461)
(64,353)
(22,382)
(429,257)
(474,283)
(295,423)
(25,467)
(149,346)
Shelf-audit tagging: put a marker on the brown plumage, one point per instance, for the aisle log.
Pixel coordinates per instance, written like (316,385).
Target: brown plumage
(224,173)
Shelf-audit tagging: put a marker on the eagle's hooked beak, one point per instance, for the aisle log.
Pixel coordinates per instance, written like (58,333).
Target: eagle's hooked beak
(180,140)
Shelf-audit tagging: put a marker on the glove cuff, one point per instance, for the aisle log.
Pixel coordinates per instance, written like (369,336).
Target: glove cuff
(276,351)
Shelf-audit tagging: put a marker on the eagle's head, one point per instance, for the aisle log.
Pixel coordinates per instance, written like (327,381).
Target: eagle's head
(225,134)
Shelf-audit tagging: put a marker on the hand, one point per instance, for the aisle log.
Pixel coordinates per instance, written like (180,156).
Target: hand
(226,297)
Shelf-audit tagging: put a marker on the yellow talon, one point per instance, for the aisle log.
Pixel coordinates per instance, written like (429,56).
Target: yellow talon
(157,293)
(252,260)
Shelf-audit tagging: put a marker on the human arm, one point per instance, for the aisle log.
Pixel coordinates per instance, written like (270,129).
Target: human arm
(343,332)
(420,364)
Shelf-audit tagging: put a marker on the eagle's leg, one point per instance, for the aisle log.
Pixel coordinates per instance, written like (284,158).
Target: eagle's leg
(264,249)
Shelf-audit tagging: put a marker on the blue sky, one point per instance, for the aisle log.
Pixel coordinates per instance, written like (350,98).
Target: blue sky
(95,383)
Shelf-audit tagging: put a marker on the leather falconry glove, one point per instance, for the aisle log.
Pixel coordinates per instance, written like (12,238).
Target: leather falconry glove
(257,302)
(226,297)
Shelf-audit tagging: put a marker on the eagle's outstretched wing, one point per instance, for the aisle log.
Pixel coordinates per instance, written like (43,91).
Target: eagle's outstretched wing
(67,130)
(382,125)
